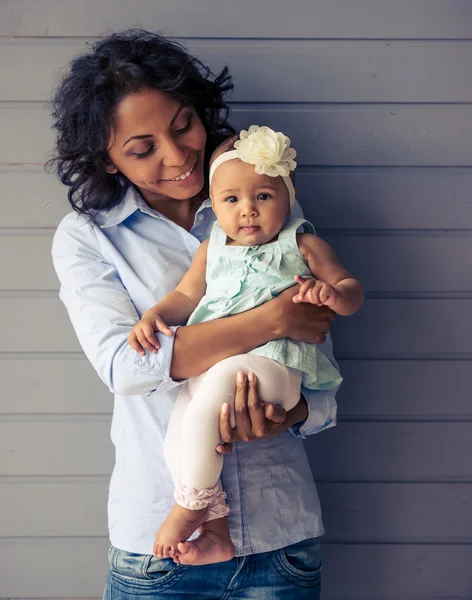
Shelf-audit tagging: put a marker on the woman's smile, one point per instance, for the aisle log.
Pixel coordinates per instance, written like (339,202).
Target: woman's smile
(159,144)
(185,177)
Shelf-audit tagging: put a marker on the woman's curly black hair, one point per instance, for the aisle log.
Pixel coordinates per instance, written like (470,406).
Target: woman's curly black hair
(83,106)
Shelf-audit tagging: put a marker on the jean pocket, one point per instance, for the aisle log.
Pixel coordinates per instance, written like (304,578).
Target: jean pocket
(141,574)
(300,563)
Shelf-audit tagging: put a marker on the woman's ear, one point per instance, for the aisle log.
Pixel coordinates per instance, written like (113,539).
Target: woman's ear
(111,169)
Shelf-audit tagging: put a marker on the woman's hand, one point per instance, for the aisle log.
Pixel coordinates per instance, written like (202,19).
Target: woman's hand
(255,419)
(303,322)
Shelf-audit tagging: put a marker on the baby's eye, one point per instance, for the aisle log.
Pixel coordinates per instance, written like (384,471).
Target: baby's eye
(231,199)
(263,196)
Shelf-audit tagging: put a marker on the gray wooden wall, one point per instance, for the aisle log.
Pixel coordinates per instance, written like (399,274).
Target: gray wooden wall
(376,96)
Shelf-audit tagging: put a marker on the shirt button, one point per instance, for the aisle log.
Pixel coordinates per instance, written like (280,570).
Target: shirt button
(239,272)
(200,217)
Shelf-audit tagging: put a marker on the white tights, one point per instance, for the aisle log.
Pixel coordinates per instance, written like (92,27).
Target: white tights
(193,432)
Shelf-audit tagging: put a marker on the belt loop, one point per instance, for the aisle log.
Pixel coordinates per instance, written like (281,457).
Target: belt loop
(112,559)
(145,565)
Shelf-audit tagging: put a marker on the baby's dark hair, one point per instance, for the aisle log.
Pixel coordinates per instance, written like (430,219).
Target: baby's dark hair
(84,103)
(227,145)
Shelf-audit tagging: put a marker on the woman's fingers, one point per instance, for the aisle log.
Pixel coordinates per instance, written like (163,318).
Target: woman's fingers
(318,323)
(225,448)
(275,413)
(227,433)
(256,408)
(241,414)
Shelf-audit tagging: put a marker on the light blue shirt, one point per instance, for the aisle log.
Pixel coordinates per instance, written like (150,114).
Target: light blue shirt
(113,269)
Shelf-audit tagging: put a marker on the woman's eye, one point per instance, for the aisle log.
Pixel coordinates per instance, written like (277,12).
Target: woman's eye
(263,196)
(231,199)
(186,128)
(144,154)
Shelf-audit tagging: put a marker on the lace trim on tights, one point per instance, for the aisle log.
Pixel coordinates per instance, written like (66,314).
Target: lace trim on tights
(213,499)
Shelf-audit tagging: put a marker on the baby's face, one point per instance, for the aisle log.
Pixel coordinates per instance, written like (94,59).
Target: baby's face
(250,208)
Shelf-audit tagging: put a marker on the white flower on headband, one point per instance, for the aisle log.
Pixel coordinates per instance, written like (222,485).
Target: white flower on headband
(268,150)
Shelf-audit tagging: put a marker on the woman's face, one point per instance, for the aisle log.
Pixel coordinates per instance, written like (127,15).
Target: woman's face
(158,143)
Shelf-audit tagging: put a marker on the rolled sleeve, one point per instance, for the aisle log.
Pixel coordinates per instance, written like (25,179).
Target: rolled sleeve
(322,407)
(321,412)
(160,363)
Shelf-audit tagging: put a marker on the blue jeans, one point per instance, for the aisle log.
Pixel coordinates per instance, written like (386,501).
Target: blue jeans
(291,572)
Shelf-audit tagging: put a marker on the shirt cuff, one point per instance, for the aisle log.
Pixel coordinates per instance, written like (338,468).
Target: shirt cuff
(160,363)
(322,409)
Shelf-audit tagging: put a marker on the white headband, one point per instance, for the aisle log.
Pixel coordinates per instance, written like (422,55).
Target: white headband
(269,151)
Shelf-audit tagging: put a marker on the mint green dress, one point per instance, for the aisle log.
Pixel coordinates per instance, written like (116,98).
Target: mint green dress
(239,278)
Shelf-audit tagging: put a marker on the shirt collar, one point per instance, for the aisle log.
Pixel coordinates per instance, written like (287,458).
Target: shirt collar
(130,202)
(205,204)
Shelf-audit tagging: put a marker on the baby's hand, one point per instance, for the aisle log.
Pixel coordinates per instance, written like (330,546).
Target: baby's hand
(315,291)
(142,336)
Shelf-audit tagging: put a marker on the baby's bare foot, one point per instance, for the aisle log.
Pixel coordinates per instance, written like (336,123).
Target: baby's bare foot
(180,524)
(212,546)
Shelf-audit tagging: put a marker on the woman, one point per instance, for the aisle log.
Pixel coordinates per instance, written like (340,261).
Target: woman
(137,119)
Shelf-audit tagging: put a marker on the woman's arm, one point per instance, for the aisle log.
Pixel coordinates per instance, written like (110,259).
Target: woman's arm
(103,314)
(176,307)
(199,347)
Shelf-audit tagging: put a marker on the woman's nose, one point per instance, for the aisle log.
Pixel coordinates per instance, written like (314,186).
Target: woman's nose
(173,154)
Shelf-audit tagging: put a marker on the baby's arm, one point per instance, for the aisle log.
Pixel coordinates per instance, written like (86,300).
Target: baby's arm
(173,309)
(334,286)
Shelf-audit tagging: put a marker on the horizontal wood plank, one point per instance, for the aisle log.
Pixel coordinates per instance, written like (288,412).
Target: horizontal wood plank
(386,198)
(352,512)
(61,447)
(403,389)
(323,135)
(371,572)
(436,452)
(53,508)
(56,568)
(430,328)
(406,328)
(52,573)
(396,512)
(332,198)
(372,390)
(33,198)
(43,385)
(412,263)
(387,264)
(314,71)
(393,451)
(298,19)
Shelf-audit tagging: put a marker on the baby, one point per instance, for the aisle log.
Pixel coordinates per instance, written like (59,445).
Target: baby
(254,252)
